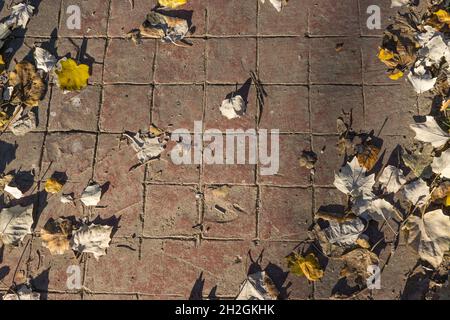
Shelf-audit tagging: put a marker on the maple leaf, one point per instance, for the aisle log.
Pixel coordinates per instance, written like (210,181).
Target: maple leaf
(28,85)
(70,75)
(15,224)
(441,165)
(429,131)
(305,266)
(429,236)
(344,233)
(93,239)
(392,179)
(352,180)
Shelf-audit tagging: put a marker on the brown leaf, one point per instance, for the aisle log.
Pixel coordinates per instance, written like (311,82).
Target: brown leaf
(356,263)
(367,155)
(56,235)
(28,85)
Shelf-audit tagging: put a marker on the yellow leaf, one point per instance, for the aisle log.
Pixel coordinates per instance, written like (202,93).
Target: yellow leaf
(443,16)
(368,156)
(385,54)
(305,266)
(172,4)
(52,186)
(28,85)
(2,63)
(447,201)
(4,119)
(396,75)
(71,76)
(445,105)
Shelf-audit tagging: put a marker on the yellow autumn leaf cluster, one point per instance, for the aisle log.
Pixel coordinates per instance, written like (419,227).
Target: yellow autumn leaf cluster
(172,4)
(305,266)
(443,16)
(52,186)
(72,76)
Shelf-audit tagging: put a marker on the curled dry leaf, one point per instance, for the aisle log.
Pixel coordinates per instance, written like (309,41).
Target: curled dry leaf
(70,75)
(233,107)
(429,131)
(14,192)
(429,236)
(352,180)
(56,235)
(20,15)
(92,239)
(28,85)
(15,224)
(356,263)
(305,266)
(167,28)
(53,186)
(441,165)
(91,195)
(308,159)
(392,179)
(258,286)
(367,155)
(66,198)
(44,60)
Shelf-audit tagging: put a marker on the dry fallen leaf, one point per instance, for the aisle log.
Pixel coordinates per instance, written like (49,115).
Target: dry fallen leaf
(352,180)
(15,224)
(308,159)
(14,192)
(277,4)
(70,75)
(146,147)
(91,195)
(429,131)
(23,292)
(356,263)
(367,155)
(420,160)
(417,192)
(167,28)
(441,191)
(392,179)
(441,165)
(20,14)
(397,74)
(56,235)
(258,286)
(344,233)
(233,107)
(172,4)
(305,266)
(53,186)
(44,59)
(28,85)
(93,239)
(429,236)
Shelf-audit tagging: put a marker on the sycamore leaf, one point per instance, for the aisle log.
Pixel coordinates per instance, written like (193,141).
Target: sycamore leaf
(376,209)
(92,239)
(392,179)
(345,233)
(305,266)
(53,186)
(28,85)
(429,131)
(419,161)
(56,235)
(441,165)
(352,180)
(429,236)
(15,224)
(91,195)
(233,107)
(44,59)
(417,192)
(172,4)
(146,148)
(70,75)
(356,265)
(258,286)
(20,14)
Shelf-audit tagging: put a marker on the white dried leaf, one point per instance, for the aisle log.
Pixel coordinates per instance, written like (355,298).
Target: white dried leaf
(15,224)
(429,131)
(7,92)
(258,286)
(67,198)
(441,165)
(399,3)
(417,192)
(147,148)
(14,192)
(352,180)
(92,239)
(20,14)
(91,195)
(392,179)
(277,4)
(232,108)
(421,79)
(22,293)
(24,124)
(429,236)
(376,209)
(44,59)
(344,233)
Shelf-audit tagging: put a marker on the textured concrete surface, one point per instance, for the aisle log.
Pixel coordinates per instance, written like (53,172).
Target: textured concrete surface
(157,252)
